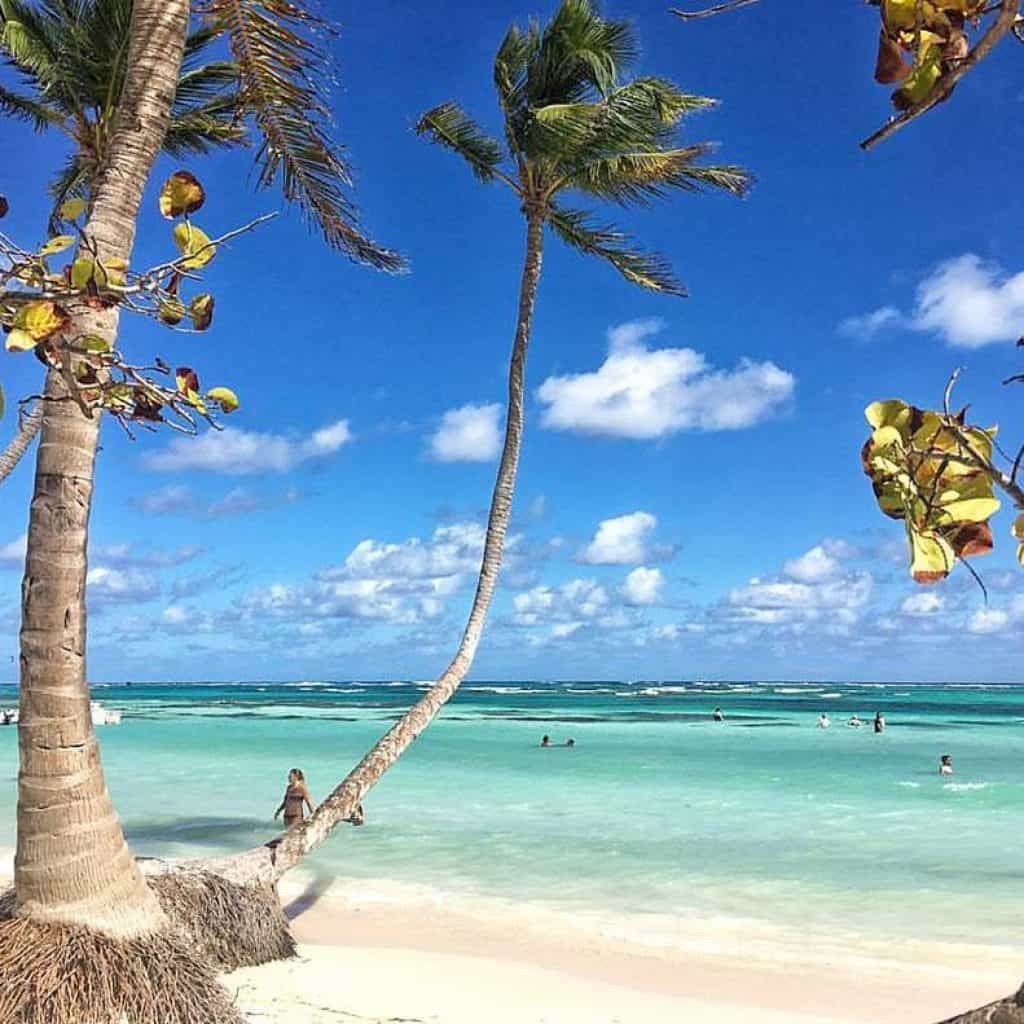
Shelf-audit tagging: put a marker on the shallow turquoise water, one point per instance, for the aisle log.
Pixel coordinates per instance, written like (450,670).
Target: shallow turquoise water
(657,809)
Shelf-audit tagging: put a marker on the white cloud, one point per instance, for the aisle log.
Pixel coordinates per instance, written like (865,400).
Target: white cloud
(571,602)
(967,301)
(620,541)
(864,328)
(813,566)
(643,586)
(988,620)
(470,433)
(643,393)
(12,554)
(166,500)
(125,556)
(971,303)
(239,452)
(107,585)
(924,602)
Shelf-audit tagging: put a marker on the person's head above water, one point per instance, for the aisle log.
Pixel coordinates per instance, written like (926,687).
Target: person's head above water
(570,743)
(545,741)
(296,775)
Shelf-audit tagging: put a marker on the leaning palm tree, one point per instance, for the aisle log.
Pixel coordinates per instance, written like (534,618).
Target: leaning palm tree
(572,125)
(69,60)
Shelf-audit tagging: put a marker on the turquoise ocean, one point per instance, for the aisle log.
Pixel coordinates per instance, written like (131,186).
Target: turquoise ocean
(658,812)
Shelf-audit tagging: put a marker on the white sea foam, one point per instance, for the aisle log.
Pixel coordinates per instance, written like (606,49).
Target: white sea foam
(910,785)
(965,787)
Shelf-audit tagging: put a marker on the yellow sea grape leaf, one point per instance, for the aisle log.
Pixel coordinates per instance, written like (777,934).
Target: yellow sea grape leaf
(72,209)
(224,397)
(886,436)
(181,195)
(891,412)
(19,341)
(94,343)
(201,311)
(171,311)
(1018,527)
(57,244)
(194,243)
(899,13)
(917,86)
(932,557)
(107,272)
(970,510)
(41,320)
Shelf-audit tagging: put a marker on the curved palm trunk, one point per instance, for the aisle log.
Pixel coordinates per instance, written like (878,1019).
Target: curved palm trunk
(28,427)
(270,862)
(72,863)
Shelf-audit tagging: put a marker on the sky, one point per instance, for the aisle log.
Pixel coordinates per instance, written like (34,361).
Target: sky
(690,501)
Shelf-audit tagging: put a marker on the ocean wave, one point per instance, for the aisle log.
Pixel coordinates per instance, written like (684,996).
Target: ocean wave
(831,696)
(910,785)
(965,787)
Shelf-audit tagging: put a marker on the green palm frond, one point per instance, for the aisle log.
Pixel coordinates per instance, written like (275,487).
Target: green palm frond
(449,125)
(283,75)
(72,182)
(39,115)
(198,129)
(27,38)
(648,270)
(203,84)
(638,178)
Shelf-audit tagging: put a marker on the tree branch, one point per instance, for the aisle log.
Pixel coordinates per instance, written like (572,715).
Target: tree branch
(1001,27)
(709,12)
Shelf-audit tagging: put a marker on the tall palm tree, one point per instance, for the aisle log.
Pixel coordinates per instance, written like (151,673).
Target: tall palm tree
(573,124)
(69,58)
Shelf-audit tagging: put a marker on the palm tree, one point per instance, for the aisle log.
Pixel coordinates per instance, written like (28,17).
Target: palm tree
(572,124)
(70,60)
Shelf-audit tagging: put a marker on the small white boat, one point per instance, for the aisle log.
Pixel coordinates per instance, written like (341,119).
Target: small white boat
(102,715)
(8,716)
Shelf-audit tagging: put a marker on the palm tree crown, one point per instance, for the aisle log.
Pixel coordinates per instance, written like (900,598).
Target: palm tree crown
(573,124)
(70,57)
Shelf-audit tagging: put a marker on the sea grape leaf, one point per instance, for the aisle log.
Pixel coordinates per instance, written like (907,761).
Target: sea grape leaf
(932,557)
(917,86)
(71,209)
(171,311)
(181,195)
(195,244)
(201,311)
(225,398)
(19,341)
(57,244)
(41,319)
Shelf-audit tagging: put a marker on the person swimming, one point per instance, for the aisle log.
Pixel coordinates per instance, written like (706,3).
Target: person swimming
(854,722)
(824,721)
(570,743)
(545,741)
(946,764)
(296,799)
(718,715)
(879,722)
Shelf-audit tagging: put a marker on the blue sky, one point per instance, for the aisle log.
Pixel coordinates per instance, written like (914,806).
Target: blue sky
(713,522)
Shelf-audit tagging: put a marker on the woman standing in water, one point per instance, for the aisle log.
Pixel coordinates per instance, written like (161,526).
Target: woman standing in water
(295,796)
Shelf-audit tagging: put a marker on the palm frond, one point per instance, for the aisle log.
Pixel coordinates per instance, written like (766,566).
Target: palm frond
(283,74)
(27,38)
(579,52)
(206,83)
(198,129)
(638,178)
(38,114)
(72,182)
(648,270)
(450,126)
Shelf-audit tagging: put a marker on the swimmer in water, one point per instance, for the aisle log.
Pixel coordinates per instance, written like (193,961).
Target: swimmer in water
(570,743)
(946,765)
(823,721)
(879,722)
(718,715)
(855,722)
(545,741)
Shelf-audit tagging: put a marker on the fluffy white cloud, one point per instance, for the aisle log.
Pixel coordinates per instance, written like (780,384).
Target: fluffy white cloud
(643,393)
(643,586)
(125,556)
(988,620)
(813,566)
(971,303)
(864,328)
(621,540)
(470,433)
(239,452)
(571,602)
(967,301)
(924,602)
(12,554)
(107,585)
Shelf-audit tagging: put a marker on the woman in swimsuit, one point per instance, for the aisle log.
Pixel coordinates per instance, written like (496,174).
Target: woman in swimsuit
(294,797)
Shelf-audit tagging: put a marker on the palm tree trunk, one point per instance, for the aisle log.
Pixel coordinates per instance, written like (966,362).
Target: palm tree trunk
(28,427)
(270,862)
(72,863)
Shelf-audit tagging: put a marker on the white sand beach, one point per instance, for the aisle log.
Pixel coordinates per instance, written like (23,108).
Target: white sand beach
(389,954)
(458,962)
